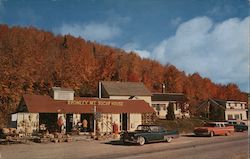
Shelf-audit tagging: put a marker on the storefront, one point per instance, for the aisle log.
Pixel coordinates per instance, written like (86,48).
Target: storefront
(36,112)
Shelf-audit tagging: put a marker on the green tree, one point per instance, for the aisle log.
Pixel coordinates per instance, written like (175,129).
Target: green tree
(170,113)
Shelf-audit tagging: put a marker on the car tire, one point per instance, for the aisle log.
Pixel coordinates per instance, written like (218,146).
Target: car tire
(169,139)
(211,134)
(141,140)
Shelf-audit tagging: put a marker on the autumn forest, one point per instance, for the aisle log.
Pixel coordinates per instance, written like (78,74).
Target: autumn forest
(32,61)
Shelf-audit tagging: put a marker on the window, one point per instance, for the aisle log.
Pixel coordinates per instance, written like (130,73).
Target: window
(154,128)
(236,116)
(222,125)
(143,128)
(240,116)
(158,108)
(229,116)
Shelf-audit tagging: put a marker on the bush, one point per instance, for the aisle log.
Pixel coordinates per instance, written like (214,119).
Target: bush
(170,114)
(182,125)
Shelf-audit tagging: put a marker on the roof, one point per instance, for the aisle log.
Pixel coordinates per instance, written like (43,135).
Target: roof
(117,88)
(219,101)
(45,104)
(168,97)
(214,102)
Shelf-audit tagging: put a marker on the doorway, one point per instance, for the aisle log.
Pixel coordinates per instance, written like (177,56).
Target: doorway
(90,119)
(124,119)
(69,122)
(49,120)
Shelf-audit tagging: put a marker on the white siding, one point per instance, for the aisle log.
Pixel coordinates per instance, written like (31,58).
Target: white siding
(27,122)
(236,112)
(105,123)
(135,120)
(162,113)
(63,95)
(76,119)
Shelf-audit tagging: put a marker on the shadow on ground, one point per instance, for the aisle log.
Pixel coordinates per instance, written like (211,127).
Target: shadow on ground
(191,135)
(118,143)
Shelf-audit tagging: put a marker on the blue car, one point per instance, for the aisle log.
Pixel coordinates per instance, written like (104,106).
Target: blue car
(149,133)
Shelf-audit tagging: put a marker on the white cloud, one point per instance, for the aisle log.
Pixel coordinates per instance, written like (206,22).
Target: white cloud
(91,31)
(135,48)
(216,50)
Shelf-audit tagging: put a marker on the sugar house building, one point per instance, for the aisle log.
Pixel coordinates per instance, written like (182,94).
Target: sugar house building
(37,110)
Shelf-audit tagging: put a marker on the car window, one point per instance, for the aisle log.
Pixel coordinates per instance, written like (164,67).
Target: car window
(161,129)
(222,125)
(142,128)
(210,125)
(154,128)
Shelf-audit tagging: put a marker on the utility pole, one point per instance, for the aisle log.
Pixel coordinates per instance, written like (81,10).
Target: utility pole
(208,109)
(94,120)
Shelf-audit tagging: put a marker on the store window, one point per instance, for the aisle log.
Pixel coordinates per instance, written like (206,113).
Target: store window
(230,116)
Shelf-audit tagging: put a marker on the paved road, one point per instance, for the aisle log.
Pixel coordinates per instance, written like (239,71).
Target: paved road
(186,147)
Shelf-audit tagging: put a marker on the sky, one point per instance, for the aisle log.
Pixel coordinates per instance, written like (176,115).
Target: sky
(206,36)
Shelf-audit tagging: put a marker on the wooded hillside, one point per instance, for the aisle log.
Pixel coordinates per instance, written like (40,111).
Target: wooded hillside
(32,61)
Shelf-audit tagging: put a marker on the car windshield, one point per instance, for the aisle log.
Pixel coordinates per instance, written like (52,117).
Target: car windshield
(142,128)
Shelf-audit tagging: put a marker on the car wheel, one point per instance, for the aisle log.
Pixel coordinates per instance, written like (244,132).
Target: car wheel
(169,139)
(141,140)
(211,134)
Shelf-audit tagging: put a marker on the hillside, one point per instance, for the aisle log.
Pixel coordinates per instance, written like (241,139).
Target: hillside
(32,61)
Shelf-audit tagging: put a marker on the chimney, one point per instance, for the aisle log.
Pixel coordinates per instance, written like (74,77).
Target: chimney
(163,88)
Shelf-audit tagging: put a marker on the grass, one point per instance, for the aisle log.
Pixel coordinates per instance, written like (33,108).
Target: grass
(182,125)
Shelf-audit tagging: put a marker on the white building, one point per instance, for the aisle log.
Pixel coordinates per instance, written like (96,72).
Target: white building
(216,109)
(125,90)
(36,110)
(128,91)
(161,101)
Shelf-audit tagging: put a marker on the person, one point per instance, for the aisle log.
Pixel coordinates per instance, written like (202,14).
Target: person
(115,128)
(85,125)
(60,123)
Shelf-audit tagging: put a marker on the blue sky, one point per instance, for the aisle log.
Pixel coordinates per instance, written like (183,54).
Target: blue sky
(206,36)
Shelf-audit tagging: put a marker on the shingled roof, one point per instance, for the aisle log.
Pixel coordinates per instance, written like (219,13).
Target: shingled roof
(45,104)
(114,88)
(168,97)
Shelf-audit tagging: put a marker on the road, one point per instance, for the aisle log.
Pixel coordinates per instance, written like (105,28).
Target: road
(185,147)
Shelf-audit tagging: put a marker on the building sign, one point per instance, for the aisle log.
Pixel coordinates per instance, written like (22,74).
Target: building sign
(94,102)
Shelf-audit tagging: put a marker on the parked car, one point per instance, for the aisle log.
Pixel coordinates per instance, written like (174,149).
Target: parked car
(149,133)
(238,126)
(214,128)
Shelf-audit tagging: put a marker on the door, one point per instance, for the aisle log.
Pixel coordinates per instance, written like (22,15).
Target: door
(124,121)
(155,134)
(69,122)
